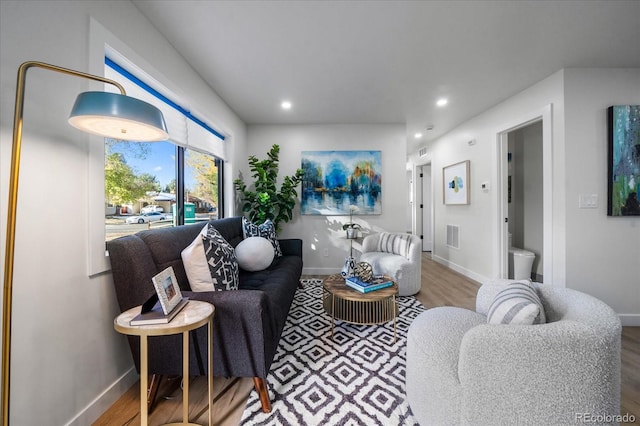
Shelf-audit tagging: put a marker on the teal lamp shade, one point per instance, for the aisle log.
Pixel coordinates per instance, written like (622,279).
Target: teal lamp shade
(118,116)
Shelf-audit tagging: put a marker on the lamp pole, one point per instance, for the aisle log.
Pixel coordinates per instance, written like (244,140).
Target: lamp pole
(11,215)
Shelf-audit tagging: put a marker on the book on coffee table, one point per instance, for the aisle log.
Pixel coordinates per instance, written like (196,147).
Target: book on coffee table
(377,283)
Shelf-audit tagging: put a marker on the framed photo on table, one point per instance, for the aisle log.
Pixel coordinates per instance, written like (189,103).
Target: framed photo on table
(166,286)
(455,183)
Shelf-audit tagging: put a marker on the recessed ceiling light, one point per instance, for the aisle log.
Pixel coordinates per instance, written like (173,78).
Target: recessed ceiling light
(418,135)
(442,102)
(286,105)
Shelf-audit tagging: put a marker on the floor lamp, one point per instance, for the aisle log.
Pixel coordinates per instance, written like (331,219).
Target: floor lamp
(111,115)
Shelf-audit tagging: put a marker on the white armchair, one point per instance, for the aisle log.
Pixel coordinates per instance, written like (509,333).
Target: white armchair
(397,255)
(463,371)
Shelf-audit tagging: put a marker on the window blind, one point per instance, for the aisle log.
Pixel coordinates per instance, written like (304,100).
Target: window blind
(184,128)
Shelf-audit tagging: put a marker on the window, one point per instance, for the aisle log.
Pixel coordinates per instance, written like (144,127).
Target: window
(159,184)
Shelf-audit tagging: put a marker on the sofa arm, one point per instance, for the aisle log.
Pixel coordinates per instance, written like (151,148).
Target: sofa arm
(243,332)
(541,369)
(291,247)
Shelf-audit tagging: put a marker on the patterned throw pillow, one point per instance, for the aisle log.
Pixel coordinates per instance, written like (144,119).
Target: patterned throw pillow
(518,303)
(266,230)
(222,262)
(394,243)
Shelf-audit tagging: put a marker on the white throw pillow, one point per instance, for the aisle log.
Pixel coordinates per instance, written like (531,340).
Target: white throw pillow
(254,254)
(518,303)
(195,264)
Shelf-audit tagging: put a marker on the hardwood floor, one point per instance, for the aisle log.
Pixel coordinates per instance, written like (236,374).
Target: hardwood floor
(441,286)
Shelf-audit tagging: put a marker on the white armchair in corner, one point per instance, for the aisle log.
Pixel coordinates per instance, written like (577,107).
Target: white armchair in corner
(397,255)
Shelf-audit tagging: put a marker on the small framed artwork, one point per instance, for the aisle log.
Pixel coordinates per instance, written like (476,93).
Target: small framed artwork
(166,286)
(455,183)
(624,160)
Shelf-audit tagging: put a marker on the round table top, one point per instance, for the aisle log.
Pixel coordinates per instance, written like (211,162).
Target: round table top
(195,314)
(335,285)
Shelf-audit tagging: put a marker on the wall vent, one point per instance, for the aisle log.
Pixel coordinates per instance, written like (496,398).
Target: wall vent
(422,152)
(453,236)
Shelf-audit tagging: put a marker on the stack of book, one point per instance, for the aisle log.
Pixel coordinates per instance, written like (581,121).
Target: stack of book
(156,315)
(376,283)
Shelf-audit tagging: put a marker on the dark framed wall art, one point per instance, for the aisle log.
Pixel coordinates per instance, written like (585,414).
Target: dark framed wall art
(623,160)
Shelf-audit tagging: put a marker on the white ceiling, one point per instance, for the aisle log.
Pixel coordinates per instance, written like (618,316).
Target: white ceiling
(389,61)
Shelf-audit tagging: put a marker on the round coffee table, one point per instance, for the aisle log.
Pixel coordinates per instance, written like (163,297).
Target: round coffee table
(346,304)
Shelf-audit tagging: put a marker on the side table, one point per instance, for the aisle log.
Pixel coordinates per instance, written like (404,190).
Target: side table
(194,315)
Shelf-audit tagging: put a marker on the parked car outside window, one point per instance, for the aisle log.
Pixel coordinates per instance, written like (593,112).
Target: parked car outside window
(151,208)
(146,217)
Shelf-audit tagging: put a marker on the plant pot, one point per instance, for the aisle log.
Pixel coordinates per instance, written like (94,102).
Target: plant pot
(351,233)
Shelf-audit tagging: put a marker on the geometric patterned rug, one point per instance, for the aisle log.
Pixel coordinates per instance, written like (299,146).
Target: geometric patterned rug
(355,378)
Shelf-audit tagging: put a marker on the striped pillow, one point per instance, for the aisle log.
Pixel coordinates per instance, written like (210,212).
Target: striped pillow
(394,243)
(518,303)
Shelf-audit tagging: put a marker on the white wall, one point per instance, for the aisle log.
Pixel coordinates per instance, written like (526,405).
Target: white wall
(590,252)
(325,232)
(478,255)
(603,253)
(68,364)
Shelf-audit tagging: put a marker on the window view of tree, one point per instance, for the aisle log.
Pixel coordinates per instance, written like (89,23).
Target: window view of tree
(141,186)
(202,186)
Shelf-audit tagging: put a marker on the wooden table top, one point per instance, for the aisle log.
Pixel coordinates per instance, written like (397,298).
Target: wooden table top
(335,285)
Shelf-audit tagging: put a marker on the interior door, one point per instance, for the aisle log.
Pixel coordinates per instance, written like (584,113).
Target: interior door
(427,237)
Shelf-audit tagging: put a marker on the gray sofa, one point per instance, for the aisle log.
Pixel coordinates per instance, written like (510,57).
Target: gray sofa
(463,371)
(248,322)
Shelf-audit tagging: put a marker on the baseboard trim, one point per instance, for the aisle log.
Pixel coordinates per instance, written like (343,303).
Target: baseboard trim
(106,399)
(320,271)
(630,320)
(466,272)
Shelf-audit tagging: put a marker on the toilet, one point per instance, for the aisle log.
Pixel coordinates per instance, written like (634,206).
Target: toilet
(520,262)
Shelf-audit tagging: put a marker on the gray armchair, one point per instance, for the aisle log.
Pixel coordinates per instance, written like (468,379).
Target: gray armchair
(461,370)
(397,255)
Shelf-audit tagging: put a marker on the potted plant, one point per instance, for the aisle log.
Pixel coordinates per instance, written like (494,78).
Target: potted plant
(352,228)
(265,201)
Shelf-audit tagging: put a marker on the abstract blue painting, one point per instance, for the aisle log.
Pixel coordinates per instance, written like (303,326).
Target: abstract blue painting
(624,160)
(334,180)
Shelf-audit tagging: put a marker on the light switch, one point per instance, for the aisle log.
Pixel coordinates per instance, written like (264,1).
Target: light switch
(588,201)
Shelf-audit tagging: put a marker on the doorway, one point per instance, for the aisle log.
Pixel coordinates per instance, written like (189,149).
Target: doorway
(525,198)
(423,211)
(525,203)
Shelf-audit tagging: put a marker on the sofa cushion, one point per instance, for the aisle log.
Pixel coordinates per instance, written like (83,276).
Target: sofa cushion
(266,230)
(195,264)
(221,259)
(518,303)
(254,253)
